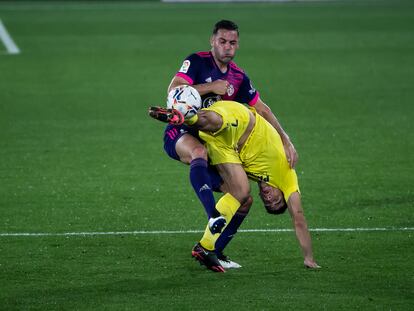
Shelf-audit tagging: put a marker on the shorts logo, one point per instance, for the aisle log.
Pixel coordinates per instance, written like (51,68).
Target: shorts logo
(185,66)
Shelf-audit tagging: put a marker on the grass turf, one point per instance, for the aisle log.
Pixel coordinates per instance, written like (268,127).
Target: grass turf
(78,153)
(361,270)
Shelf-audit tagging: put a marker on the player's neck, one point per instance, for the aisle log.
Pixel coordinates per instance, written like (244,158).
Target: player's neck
(222,66)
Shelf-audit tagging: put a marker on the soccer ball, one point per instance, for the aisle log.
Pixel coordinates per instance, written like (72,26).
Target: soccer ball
(185,99)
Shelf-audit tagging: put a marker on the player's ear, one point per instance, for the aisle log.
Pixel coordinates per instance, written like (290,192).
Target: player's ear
(212,40)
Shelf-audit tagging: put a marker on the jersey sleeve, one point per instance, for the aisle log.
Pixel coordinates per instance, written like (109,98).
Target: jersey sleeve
(247,93)
(189,68)
(224,118)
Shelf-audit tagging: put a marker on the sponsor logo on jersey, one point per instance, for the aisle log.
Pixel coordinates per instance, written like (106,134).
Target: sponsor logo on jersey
(259,176)
(185,66)
(209,80)
(208,101)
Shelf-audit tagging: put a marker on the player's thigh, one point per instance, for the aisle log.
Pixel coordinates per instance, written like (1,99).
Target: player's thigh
(235,180)
(189,148)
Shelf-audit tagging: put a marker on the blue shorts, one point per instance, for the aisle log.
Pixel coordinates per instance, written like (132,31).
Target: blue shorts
(172,134)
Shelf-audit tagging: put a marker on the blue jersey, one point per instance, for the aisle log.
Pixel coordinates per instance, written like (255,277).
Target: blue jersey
(199,68)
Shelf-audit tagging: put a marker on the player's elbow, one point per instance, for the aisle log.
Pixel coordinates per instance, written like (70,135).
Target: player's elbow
(202,122)
(209,121)
(263,109)
(300,223)
(176,81)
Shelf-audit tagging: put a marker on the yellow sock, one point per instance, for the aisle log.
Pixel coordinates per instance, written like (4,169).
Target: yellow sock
(227,206)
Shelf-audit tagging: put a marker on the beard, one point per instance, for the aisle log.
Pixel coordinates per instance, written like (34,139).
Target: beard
(225,59)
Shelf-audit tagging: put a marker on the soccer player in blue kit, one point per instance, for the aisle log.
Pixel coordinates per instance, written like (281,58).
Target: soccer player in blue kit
(216,77)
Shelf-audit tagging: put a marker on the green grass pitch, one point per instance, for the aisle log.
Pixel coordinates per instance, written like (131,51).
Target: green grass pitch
(79,154)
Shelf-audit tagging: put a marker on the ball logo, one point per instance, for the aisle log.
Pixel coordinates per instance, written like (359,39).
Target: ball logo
(185,66)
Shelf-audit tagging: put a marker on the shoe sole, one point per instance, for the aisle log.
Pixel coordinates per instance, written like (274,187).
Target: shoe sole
(226,265)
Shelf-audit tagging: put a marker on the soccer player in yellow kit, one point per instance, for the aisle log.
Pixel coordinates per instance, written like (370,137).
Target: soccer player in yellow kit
(242,145)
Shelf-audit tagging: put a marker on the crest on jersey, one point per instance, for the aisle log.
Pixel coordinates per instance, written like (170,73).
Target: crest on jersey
(230,90)
(185,66)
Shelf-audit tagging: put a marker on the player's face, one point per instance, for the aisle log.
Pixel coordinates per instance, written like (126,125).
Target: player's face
(272,197)
(224,45)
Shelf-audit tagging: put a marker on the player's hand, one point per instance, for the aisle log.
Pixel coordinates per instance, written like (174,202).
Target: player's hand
(219,87)
(291,154)
(311,264)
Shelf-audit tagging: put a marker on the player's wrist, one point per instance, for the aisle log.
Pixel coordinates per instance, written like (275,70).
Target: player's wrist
(285,139)
(192,120)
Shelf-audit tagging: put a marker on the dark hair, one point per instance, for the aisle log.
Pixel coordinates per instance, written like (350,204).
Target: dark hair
(225,24)
(278,211)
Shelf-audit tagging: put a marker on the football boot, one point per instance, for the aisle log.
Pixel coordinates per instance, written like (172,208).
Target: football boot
(207,258)
(167,115)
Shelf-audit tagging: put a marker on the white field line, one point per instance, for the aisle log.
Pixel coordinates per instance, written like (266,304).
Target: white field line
(159,232)
(218,1)
(8,42)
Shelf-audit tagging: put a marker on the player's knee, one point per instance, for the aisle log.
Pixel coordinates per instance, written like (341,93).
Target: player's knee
(189,148)
(245,206)
(199,151)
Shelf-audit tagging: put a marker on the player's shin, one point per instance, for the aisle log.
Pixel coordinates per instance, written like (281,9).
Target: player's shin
(231,229)
(200,180)
(228,233)
(227,206)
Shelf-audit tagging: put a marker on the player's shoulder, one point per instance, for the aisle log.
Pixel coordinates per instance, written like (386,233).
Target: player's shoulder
(234,67)
(229,104)
(199,55)
(204,54)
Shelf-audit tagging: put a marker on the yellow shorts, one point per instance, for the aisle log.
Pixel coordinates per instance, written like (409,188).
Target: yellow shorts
(222,145)
(262,157)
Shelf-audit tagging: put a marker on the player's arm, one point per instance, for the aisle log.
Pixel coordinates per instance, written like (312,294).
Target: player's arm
(301,230)
(206,121)
(218,87)
(266,112)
